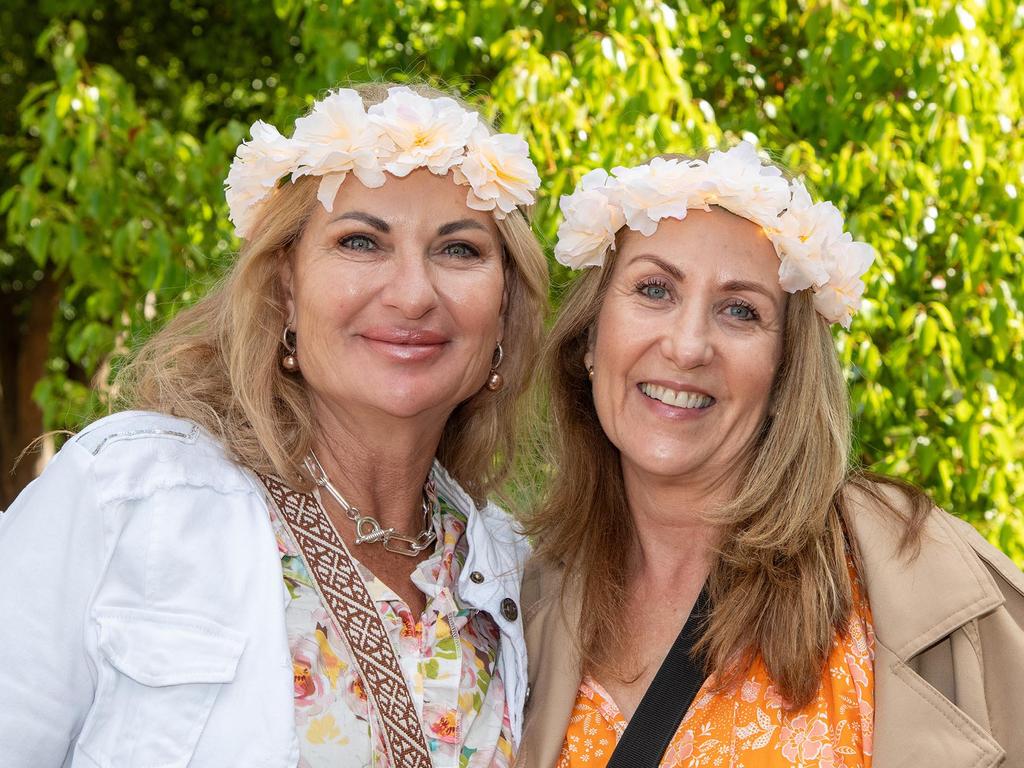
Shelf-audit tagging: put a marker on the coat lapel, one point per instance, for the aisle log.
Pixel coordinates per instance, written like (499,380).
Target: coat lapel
(916,603)
(915,725)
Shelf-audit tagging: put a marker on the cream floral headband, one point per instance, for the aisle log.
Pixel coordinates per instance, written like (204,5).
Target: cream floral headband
(404,132)
(814,250)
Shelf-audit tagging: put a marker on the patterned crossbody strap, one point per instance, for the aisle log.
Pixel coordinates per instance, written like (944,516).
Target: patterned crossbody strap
(356,619)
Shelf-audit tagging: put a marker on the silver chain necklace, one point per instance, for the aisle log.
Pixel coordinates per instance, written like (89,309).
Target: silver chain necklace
(368,528)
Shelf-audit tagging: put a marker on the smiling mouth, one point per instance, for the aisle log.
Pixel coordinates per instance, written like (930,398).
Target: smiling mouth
(677,398)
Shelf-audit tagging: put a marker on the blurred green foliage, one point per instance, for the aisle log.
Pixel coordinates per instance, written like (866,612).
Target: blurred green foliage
(119,120)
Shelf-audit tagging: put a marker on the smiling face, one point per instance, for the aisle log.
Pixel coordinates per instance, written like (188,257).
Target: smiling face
(686,346)
(396,298)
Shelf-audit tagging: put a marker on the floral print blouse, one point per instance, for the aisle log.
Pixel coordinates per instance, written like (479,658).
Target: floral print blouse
(748,727)
(448,657)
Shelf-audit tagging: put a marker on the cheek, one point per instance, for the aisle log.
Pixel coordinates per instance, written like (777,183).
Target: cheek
(474,301)
(313,284)
(331,290)
(320,309)
(754,371)
(624,339)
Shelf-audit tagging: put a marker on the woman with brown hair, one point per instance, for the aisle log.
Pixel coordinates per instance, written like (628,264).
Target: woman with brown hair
(713,584)
(284,555)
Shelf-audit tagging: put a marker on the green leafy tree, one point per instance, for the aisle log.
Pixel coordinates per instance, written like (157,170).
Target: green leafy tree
(906,114)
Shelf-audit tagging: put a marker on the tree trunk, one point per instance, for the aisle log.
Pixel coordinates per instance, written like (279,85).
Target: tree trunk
(24,349)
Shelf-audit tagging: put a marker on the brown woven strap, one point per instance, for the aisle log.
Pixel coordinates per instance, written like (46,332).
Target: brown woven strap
(356,618)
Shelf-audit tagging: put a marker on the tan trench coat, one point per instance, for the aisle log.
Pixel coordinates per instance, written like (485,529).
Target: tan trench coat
(949,663)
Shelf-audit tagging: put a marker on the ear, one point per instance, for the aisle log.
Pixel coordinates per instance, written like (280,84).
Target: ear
(286,274)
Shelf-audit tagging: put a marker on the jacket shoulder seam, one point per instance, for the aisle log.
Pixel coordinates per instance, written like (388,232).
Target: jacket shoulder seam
(129,425)
(181,436)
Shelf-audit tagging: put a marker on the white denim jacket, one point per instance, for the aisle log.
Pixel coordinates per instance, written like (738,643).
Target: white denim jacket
(142,607)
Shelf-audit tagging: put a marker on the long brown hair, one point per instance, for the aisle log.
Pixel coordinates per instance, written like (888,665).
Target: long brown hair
(217,362)
(779,584)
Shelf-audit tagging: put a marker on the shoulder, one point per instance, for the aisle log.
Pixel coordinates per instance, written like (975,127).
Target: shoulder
(881,501)
(141,503)
(887,517)
(943,550)
(881,512)
(134,453)
(893,521)
(135,425)
(170,501)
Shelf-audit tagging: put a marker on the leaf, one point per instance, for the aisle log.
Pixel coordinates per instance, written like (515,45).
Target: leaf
(929,335)
(38,243)
(940,311)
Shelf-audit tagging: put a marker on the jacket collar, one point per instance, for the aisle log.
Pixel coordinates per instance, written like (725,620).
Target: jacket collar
(497,552)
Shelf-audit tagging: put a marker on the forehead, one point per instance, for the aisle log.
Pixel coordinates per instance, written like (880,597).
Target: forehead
(713,242)
(420,199)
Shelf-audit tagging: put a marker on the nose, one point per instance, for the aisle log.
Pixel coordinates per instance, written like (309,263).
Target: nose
(410,286)
(687,341)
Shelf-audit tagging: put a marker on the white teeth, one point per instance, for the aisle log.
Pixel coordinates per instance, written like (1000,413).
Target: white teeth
(678,399)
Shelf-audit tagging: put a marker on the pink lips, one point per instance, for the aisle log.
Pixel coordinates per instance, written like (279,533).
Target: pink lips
(405,344)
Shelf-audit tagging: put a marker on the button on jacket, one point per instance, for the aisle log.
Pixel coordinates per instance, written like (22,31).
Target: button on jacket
(117,649)
(949,648)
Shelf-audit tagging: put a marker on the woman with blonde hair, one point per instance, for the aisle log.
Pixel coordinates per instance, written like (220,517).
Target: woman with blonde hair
(284,555)
(714,585)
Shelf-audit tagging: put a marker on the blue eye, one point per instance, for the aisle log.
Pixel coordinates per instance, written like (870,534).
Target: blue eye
(358,243)
(461,251)
(653,289)
(742,312)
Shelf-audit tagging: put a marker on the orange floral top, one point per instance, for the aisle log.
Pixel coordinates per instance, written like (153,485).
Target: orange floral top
(748,727)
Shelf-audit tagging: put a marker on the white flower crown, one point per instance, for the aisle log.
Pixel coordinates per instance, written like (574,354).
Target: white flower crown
(813,249)
(401,133)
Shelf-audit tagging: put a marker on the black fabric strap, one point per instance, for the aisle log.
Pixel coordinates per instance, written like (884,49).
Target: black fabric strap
(670,694)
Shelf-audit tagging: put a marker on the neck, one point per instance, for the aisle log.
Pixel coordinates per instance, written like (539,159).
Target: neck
(675,541)
(378,464)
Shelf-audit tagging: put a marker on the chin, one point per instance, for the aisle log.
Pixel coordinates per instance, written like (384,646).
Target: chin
(414,398)
(660,460)
(407,407)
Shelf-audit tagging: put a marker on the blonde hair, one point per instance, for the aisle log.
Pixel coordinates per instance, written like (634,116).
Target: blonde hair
(779,586)
(218,362)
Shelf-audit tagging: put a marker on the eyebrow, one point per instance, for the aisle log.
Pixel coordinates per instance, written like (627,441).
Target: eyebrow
(748,285)
(661,264)
(455,226)
(377,223)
